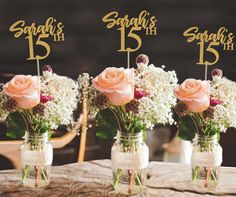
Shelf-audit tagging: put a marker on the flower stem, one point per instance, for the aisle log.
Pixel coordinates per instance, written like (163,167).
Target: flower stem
(25,172)
(25,120)
(195,123)
(117,119)
(117,174)
(139,182)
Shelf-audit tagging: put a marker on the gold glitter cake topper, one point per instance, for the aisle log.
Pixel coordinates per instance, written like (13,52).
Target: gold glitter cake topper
(210,43)
(37,36)
(129,28)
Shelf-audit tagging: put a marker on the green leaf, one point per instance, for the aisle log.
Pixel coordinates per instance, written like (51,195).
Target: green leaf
(107,124)
(144,135)
(138,125)
(187,128)
(16,126)
(41,124)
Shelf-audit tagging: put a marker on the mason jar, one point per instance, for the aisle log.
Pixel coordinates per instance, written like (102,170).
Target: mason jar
(36,160)
(130,158)
(206,161)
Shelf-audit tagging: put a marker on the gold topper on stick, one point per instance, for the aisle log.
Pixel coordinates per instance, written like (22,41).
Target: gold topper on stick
(210,43)
(40,33)
(129,26)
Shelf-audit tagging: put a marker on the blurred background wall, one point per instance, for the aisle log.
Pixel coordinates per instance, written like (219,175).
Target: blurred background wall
(90,47)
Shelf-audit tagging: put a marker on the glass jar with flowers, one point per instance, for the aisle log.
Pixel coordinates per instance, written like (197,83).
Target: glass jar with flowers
(32,107)
(205,109)
(125,104)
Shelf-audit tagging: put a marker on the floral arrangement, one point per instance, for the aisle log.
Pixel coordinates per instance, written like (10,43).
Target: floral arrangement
(129,100)
(37,105)
(206,107)
(126,103)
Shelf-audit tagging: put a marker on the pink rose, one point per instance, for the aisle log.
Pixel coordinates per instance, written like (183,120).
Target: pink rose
(195,93)
(117,84)
(24,89)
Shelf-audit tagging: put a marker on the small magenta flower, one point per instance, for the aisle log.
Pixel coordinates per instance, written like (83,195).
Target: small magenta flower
(138,94)
(142,59)
(217,72)
(45,98)
(215,101)
(47,68)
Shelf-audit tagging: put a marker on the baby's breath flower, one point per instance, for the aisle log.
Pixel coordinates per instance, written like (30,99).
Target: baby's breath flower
(86,90)
(64,92)
(224,115)
(156,106)
(3,112)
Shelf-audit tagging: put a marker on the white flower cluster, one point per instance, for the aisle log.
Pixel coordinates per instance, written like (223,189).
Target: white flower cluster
(64,92)
(159,84)
(225,113)
(3,112)
(86,90)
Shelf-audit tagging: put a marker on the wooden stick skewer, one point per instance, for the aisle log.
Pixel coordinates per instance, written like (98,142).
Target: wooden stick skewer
(131,183)
(37,176)
(38,73)
(208,173)
(206,67)
(38,68)
(84,132)
(128,59)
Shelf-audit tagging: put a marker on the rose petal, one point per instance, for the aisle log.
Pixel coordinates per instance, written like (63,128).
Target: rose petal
(24,89)
(195,93)
(117,84)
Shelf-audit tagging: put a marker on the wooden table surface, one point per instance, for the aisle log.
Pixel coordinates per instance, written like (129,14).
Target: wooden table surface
(93,178)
